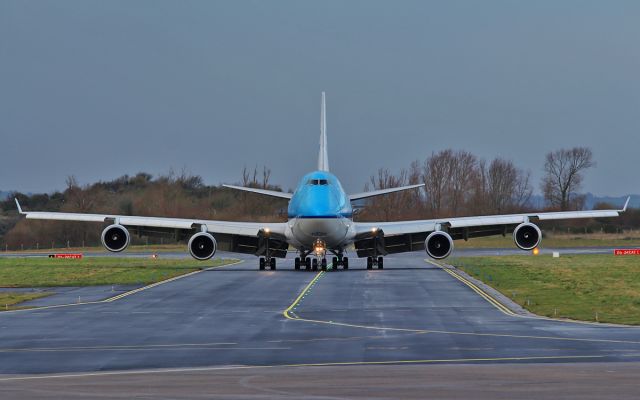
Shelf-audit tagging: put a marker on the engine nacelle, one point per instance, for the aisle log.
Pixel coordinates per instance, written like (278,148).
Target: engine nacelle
(438,245)
(527,236)
(202,246)
(115,238)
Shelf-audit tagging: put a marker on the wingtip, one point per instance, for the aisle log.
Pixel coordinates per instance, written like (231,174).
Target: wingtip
(626,204)
(18,204)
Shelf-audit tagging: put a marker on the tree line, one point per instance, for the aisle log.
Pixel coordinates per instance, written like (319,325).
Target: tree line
(458,183)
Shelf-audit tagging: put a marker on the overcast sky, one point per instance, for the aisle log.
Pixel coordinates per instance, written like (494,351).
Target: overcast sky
(99,89)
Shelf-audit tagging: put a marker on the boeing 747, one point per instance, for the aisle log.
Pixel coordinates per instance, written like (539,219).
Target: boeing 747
(320,223)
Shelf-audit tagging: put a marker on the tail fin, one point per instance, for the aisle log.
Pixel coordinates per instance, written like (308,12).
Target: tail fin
(323,158)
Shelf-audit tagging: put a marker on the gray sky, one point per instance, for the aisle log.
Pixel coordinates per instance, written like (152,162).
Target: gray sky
(104,88)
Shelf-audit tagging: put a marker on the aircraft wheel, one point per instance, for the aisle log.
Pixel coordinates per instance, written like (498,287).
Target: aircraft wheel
(334,263)
(369,262)
(314,264)
(272,264)
(307,264)
(296,263)
(262,264)
(345,262)
(380,263)
(324,264)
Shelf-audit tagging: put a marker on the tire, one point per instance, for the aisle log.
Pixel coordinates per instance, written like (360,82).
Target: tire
(296,263)
(314,264)
(334,263)
(272,264)
(323,264)
(307,264)
(380,263)
(262,264)
(345,262)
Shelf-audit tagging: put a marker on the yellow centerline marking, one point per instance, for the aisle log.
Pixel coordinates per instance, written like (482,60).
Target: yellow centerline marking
(122,295)
(329,364)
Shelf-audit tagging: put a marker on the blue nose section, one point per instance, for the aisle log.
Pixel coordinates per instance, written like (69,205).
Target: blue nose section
(319,195)
(316,202)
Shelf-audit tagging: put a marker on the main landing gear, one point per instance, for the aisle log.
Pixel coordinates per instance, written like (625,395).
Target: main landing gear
(371,261)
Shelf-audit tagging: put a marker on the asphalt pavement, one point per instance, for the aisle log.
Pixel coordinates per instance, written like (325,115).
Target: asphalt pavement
(409,313)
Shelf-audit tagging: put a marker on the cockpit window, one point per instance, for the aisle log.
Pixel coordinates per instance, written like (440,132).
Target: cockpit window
(318,182)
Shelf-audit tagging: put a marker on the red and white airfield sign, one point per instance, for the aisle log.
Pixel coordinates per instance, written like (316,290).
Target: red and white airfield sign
(66,255)
(626,252)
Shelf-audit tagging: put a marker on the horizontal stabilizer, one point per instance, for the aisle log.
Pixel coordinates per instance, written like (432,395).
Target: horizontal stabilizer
(271,193)
(372,193)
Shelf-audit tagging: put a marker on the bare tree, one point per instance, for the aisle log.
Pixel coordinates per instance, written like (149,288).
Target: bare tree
(508,187)
(564,170)
(390,206)
(436,175)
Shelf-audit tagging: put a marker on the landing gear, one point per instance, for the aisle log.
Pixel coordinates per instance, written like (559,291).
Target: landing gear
(371,261)
(320,261)
(264,263)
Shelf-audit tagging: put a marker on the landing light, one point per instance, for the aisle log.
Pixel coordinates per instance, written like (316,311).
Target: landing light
(536,251)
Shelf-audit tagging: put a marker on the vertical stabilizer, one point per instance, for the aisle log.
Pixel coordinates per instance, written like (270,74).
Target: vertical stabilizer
(323,158)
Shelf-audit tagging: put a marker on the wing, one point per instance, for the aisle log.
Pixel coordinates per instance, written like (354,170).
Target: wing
(403,236)
(241,237)
(271,193)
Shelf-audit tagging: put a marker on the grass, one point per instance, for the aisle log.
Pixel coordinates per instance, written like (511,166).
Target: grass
(590,287)
(91,271)
(152,248)
(559,240)
(8,299)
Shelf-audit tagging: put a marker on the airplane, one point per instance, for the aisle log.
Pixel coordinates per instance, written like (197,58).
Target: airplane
(320,222)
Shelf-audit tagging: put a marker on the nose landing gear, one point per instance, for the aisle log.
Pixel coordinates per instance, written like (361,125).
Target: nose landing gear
(372,261)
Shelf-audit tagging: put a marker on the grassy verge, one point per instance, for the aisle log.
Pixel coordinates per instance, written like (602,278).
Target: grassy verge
(605,288)
(44,272)
(8,299)
(630,239)
(152,248)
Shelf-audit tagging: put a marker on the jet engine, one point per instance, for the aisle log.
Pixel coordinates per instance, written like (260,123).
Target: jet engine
(115,238)
(202,246)
(527,236)
(438,245)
